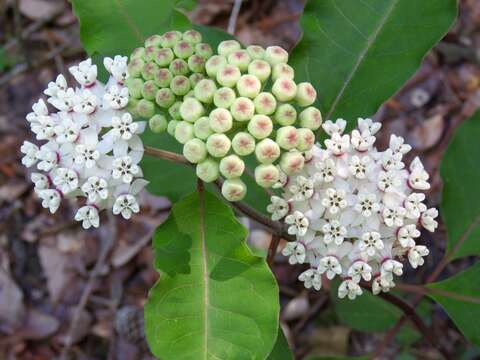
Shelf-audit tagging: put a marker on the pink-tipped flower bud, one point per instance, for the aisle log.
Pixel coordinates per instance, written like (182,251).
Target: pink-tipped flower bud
(266,175)
(220,120)
(249,86)
(184,132)
(242,109)
(284,89)
(243,143)
(158,123)
(234,189)
(150,53)
(202,129)
(204,50)
(306,139)
(267,151)
(224,97)
(261,69)
(164,57)
(172,126)
(214,64)
(226,47)
(282,71)
(163,78)
(192,36)
(149,90)
(195,78)
(265,103)
(287,137)
(232,166)
(286,115)
(138,53)
(180,85)
(135,67)
(154,40)
(149,70)
(306,94)
(239,58)
(145,108)
(179,67)
(311,118)
(207,170)
(196,63)
(183,49)
(228,75)
(260,126)
(170,39)
(191,109)
(165,98)
(174,111)
(256,52)
(135,86)
(195,151)
(205,90)
(218,145)
(276,55)
(292,162)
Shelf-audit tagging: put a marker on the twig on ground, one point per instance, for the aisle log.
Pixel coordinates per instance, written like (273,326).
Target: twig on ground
(232,22)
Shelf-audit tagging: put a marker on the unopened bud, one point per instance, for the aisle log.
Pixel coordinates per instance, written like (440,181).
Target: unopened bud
(220,120)
(214,64)
(202,129)
(284,89)
(256,52)
(191,109)
(232,166)
(138,53)
(190,94)
(174,111)
(195,151)
(242,109)
(243,143)
(164,57)
(282,71)
(249,86)
(240,58)
(149,90)
(205,90)
(207,170)
(292,162)
(218,145)
(306,139)
(158,123)
(195,78)
(172,126)
(145,108)
(192,36)
(170,39)
(135,86)
(165,98)
(196,63)
(276,55)
(149,70)
(135,67)
(286,115)
(179,67)
(265,103)
(183,132)
(311,118)
(234,189)
(260,126)
(287,137)
(261,69)
(306,94)
(132,106)
(154,40)
(163,78)
(150,52)
(226,47)
(228,75)
(183,49)
(267,151)
(266,175)
(224,97)
(204,50)
(180,85)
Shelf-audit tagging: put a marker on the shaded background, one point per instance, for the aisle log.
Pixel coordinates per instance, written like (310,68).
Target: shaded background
(79,292)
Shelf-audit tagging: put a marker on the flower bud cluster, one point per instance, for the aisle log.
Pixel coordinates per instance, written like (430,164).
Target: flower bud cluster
(91,148)
(355,211)
(248,104)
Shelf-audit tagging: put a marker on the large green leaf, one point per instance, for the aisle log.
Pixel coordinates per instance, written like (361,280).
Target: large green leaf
(460,297)
(214,299)
(461,191)
(358,53)
(338,358)
(281,350)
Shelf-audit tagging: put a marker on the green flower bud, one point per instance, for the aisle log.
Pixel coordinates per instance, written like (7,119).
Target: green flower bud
(151,52)
(145,108)
(165,98)
(158,123)
(249,86)
(260,126)
(192,36)
(306,139)
(149,90)
(261,69)
(292,162)
(256,52)
(195,151)
(306,94)
(154,40)
(137,53)
(195,78)
(267,151)
(240,59)
(276,55)
(226,47)
(135,67)
(163,78)
(207,170)
(183,132)
(174,111)
(242,109)
(214,64)
(232,166)
(205,90)
(196,63)
(282,71)
(183,49)
(265,103)
(149,70)
(172,126)
(220,120)
(284,89)
(204,50)
(228,75)
(243,143)
(234,189)
(180,85)
(191,109)
(224,97)
(266,175)
(202,129)
(179,67)
(218,145)
(190,94)
(311,118)
(135,86)
(132,106)
(287,137)
(286,115)
(170,39)
(164,57)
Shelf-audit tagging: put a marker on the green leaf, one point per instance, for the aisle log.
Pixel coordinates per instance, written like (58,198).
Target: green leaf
(357,54)
(214,299)
(338,358)
(281,350)
(461,193)
(460,297)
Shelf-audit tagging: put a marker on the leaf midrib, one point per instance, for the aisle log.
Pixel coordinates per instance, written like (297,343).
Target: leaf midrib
(363,54)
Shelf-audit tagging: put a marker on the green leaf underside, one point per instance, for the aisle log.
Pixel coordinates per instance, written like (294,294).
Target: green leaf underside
(281,350)
(215,300)
(460,297)
(461,192)
(358,53)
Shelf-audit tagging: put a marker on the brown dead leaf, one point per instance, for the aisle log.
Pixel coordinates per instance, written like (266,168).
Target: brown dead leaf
(38,326)
(12,310)
(40,9)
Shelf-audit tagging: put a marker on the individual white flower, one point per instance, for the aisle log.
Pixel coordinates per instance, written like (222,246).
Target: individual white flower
(428,219)
(367,204)
(48,158)
(302,189)
(311,278)
(118,67)
(125,169)
(89,216)
(330,266)
(392,161)
(370,243)
(394,216)
(389,268)
(64,100)
(87,155)
(44,128)
(85,73)
(398,146)
(326,171)
(414,205)
(95,188)
(40,181)
(67,131)
(388,181)
(51,199)
(116,97)
(360,270)
(334,127)
(334,231)
(65,179)
(338,144)
(295,251)
(39,110)
(60,84)
(358,166)
(349,288)
(298,223)
(30,150)
(278,208)
(418,178)
(126,205)
(407,234)
(124,127)
(368,125)
(381,285)
(334,200)
(362,141)
(85,102)
(416,255)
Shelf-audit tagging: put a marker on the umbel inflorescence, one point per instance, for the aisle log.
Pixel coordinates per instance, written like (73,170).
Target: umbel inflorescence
(91,148)
(355,211)
(224,107)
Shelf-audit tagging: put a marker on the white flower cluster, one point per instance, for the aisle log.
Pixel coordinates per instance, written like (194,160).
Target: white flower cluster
(92,148)
(355,210)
